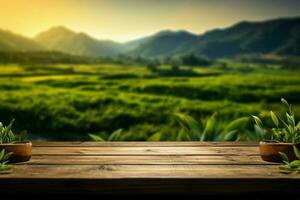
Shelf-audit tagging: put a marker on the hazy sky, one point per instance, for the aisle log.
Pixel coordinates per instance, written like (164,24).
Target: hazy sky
(123,20)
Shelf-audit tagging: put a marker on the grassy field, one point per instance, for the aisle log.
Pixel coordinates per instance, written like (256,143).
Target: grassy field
(66,102)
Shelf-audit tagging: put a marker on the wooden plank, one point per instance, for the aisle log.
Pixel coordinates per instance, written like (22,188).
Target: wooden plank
(147,168)
(140,151)
(146,171)
(140,144)
(146,160)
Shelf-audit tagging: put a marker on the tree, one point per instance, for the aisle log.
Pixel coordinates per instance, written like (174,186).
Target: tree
(193,60)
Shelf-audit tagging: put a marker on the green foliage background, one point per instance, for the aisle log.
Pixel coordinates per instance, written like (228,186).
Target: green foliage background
(69,101)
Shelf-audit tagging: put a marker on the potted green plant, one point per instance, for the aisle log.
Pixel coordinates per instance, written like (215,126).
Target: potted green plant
(17,146)
(282,139)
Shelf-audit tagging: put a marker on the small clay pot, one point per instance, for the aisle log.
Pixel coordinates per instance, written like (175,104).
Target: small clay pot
(21,151)
(269,151)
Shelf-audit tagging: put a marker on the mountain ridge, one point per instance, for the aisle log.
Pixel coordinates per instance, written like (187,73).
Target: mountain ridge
(65,40)
(10,41)
(279,36)
(273,36)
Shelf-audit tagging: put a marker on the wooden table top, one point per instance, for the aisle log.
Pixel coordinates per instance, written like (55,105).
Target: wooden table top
(147,167)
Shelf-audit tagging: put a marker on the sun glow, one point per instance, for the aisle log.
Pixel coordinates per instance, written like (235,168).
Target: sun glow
(125,20)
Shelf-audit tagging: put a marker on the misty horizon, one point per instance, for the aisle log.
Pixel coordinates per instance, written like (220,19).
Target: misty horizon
(86,32)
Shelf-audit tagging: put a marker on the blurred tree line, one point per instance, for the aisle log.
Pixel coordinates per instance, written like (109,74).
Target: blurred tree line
(53,57)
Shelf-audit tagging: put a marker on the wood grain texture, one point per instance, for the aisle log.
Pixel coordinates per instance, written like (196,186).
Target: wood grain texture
(140,151)
(148,160)
(147,168)
(140,144)
(148,171)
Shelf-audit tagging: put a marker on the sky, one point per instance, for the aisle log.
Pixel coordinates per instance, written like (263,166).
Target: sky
(124,20)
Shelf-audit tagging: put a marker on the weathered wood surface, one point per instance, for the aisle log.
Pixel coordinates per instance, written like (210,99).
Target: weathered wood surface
(147,167)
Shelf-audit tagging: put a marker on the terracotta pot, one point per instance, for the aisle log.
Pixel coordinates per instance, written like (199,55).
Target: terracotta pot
(269,151)
(21,151)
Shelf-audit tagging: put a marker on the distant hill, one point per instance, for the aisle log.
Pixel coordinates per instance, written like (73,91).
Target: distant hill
(12,42)
(65,40)
(281,36)
(133,44)
(278,37)
(163,43)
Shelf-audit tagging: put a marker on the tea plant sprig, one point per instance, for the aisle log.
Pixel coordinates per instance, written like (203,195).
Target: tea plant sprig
(284,130)
(293,166)
(115,136)
(4,160)
(214,130)
(6,134)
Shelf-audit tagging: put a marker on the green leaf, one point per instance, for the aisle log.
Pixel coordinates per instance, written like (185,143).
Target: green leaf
(285,102)
(297,152)
(231,136)
(155,137)
(96,138)
(6,135)
(190,125)
(237,124)
(7,156)
(275,119)
(209,130)
(290,119)
(284,156)
(183,136)
(294,164)
(181,119)
(4,167)
(285,169)
(259,131)
(257,121)
(115,135)
(8,128)
(2,152)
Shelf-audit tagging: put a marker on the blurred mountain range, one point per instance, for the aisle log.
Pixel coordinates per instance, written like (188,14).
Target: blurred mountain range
(278,36)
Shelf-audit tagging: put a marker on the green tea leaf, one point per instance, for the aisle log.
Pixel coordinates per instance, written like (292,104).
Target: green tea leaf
(209,130)
(96,138)
(285,102)
(115,135)
(285,167)
(183,136)
(237,124)
(257,121)
(2,152)
(7,156)
(297,152)
(259,131)
(275,119)
(284,156)
(190,125)
(8,128)
(294,164)
(4,167)
(231,136)
(155,137)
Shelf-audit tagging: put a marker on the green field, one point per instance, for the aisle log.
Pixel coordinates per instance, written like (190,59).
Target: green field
(66,102)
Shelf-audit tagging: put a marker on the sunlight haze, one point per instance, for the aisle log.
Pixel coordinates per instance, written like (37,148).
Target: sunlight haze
(122,20)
